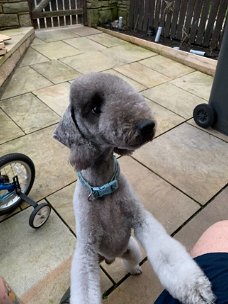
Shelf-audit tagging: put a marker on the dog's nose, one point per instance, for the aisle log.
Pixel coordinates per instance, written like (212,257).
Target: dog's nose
(146,128)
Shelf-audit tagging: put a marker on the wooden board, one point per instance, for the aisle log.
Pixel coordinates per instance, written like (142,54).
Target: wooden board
(210,24)
(181,20)
(4,38)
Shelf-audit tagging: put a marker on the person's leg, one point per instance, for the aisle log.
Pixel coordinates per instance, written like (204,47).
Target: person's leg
(7,296)
(214,239)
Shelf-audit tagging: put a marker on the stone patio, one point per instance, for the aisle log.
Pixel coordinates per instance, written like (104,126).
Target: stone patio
(181,177)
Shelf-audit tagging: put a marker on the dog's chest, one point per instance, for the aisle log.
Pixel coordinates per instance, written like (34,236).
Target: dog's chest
(115,228)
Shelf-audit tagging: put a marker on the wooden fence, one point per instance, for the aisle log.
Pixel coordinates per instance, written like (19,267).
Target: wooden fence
(55,13)
(199,22)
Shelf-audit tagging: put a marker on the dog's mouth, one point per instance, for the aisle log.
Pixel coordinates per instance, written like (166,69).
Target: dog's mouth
(131,147)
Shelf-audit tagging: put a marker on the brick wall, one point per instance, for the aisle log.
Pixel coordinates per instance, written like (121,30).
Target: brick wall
(14,13)
(103,11)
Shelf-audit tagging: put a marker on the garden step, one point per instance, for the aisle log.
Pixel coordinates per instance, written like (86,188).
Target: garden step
(15,49)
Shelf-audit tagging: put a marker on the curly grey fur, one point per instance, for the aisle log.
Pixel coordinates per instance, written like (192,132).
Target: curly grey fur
(105,115)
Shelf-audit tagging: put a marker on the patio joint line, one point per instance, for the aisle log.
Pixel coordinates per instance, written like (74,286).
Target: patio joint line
(172,78)
(123,279)
(206,131)
(35,51)
(12,119)
(64,63)
(174,127)
(36,96)
(199,210)
(165,107)
(198,203)
(60,190)
(31,67)
(108,275)
(188,91)
(61,218)
(169,79)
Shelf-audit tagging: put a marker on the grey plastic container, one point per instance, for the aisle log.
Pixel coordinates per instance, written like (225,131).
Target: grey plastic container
(215,113)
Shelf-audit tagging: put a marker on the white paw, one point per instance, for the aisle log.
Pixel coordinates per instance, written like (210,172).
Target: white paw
(136,270)
(196,290)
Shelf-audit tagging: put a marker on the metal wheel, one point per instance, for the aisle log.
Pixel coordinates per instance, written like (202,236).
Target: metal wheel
(20,165)
(40,215)
(204,115)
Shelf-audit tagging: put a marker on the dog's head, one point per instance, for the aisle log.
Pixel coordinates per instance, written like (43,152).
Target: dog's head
(105,113)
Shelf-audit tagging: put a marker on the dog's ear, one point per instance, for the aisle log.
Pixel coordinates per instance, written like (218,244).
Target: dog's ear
(83,153)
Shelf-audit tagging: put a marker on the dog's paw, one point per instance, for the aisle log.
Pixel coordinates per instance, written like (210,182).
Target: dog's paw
(196,290)
(137,270)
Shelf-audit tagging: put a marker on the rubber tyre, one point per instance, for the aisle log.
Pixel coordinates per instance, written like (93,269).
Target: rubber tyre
(29,165)
(204,115)
(43,216)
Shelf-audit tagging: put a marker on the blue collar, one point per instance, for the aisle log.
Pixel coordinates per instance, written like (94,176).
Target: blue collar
(106,189)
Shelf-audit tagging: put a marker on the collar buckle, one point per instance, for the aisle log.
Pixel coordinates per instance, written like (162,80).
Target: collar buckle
(106,189)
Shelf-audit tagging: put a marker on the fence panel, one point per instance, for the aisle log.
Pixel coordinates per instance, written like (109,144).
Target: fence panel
(199,22)
(195,21)
(55,13)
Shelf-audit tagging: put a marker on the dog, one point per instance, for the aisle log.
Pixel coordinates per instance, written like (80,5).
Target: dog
(107,115)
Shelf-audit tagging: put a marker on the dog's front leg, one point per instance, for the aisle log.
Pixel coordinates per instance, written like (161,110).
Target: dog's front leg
(85,276)
(177,271)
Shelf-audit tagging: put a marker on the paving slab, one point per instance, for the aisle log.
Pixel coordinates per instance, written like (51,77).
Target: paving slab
(210,130)
(192,160)
(55,96)
(196,83)
(86,63)
(142,74)
(55,50)
(165,119)
(29,113)
(142,289)
(157,195)
(173,98)
(128,52)
(214,212)
(50,159)
(84,44)
(32,57)
(37,41)
(138,86)
(106,40)
(9,130)
(55,71)
(86,31)
(55,284)
(24,80)
(62,202)
(32,254)
(166,66)
(56,34)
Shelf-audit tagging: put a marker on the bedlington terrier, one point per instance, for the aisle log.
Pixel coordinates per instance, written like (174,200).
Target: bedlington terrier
(107,115)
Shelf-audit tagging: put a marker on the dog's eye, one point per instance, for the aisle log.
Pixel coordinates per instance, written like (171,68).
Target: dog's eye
(96,110)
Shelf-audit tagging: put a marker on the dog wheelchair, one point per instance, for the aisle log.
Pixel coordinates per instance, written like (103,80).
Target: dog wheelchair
(17,175)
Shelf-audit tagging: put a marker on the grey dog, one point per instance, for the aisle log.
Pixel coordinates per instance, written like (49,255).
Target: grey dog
(107,115)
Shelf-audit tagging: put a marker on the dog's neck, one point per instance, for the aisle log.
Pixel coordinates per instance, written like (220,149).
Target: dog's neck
(101,171)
